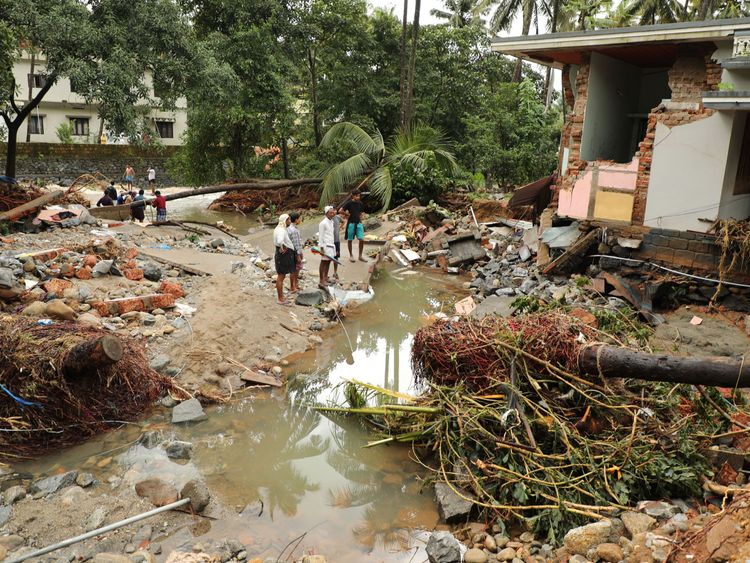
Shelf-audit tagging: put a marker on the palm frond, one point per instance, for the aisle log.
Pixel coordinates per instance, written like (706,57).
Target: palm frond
(381,185)
(354,136)
(340,176)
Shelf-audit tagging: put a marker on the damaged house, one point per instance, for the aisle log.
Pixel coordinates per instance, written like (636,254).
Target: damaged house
(656,140)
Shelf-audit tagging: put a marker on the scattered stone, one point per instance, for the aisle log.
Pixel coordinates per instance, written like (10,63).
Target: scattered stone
(150,439)
(168,401)
(451,507)
(85,480)
(637,523)
(506,554)
(276,370)
(12,542)
(310,297)
(217,243)
(96,519)
(610,552)
(151,272)
(156,491)
(50,485)
(5,513)
(88,318)
(580,540)
(57,309)
(102,268)
(316,326)
(129,548)
(658,509)
(36,309)
(490,544)
(111,558)
(198,494)
(442,547)
(475,555)
(160,362)
(178,450)
(188,411)
(13,494)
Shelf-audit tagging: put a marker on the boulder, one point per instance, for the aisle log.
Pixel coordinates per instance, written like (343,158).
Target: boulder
(452,508)
(198,494)
(13,494)
(36,309)
(96,519)
(57,309)
(156,491)
(85,480)
(89,319)
(188,411)
(507,554)
(580,540)
(637,522)
(310,297)
(442,547)
(102,268)
(610,552)
(178,450)
(152,272)
(658,509)
(50,485)
(475,555)
(217,243)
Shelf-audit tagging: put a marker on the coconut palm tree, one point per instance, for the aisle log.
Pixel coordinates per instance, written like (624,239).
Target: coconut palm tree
(650,12)
(372,160)
(459,13)
(707,9)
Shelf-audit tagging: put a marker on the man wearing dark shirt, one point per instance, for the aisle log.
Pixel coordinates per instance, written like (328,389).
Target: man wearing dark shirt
(354,229)
(105,200)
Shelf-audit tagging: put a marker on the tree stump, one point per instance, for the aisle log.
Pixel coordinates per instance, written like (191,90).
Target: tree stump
(88,357)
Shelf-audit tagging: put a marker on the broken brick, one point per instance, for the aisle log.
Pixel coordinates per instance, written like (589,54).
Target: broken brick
(172,288)
(131,253)
(133,274)
(90,260)
(56,286)
(45,255)
(727,474)
(129,265)
(84,273)
(128,304)
(67,270)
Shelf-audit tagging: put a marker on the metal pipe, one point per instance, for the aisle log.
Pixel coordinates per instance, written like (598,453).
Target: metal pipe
(102,530)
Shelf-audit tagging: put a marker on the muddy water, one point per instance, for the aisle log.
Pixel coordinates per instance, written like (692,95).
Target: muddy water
(290,471)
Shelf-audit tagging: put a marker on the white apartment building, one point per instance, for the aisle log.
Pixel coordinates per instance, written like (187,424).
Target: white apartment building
(62,105)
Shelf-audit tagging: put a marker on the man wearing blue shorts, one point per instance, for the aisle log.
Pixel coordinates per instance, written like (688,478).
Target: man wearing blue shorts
(354,229)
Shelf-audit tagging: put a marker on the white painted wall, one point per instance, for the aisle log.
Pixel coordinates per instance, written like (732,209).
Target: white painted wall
(60,103)
(612,95)
(688,169)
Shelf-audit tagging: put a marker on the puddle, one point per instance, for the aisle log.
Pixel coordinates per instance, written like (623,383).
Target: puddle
(292,473)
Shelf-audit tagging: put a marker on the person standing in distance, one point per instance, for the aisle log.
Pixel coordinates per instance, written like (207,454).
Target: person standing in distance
(327,245)
(160,203)
(354,229)
(151,178)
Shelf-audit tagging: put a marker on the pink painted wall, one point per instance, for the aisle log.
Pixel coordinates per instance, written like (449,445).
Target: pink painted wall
(620,176)
(575,202)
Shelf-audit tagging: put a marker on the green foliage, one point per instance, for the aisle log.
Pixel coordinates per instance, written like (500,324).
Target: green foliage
(65,133)
(622,324)
(425,183)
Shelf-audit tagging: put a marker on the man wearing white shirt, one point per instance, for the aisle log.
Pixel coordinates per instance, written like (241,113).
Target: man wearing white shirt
(152,178)
(327,245)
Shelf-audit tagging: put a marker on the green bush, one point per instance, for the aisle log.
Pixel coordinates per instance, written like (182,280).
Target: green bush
(65,133)
(425,184)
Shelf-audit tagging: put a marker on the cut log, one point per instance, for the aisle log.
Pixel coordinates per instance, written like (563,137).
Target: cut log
(92,355)
(31,206)
(612,361)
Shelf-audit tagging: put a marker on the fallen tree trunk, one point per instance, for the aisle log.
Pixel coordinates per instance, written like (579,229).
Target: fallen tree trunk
(31,206)
(91,355)
(612,361)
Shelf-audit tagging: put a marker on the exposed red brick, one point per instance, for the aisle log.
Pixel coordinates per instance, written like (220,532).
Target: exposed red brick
(90,260)
(131,253)
(45,255)
(172,288)
(56,286)
(84,273)
(133,274)
(128,304)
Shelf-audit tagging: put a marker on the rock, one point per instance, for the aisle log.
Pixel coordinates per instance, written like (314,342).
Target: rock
(12,542)
(129,548)
(12,495)
(442,547)
(610,552)
(36,309)
(636,522)
(276,370)
(475,556)
(526,537)
(111,558)
(89,319)
(102,268)
(53,484)
(143,534)
(96,519)
(29,266)
(156,491)
(217,243)
(198,494)
(3,553)
(72,496)
(168,401)
(313,559)
(5,513)
(490,544)
(310,297)
(578,559)
(147,319)
(152,272)
(57,309)
(160,362)
(501,540)
(316,326)
(452,508)
(178,450)
(150,439)
(188,411)
(85,480)
(580,540)
(507,554)
(658,509)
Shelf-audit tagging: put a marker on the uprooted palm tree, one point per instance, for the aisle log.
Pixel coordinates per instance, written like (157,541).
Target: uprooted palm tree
(372,160)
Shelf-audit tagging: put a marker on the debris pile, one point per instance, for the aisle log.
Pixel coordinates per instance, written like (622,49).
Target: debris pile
(46,403)
(14,195)
(511,424)
(250,201)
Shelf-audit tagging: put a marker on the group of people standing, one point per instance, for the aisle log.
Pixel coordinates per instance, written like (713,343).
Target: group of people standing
(289,258)
(130,177)
(137,212)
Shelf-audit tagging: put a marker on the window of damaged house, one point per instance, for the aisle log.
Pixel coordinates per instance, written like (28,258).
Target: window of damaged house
(37,80)
(164,128)
(624,86)
(36,124)
(80,126)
